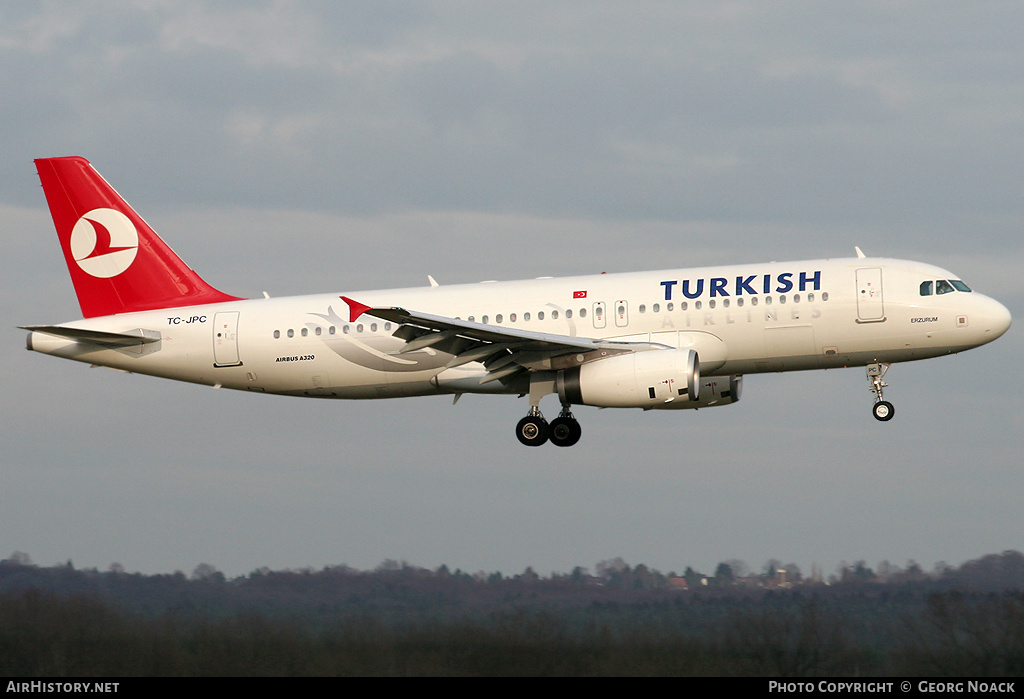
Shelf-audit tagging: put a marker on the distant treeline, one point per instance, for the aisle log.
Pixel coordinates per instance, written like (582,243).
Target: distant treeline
(402,620)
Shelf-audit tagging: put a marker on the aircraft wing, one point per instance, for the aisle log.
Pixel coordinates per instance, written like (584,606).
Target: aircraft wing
(504,351)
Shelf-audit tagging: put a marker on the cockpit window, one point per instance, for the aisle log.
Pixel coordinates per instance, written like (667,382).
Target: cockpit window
(943,286)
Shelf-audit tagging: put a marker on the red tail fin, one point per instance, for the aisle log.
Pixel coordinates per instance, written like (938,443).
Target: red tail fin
(117,263)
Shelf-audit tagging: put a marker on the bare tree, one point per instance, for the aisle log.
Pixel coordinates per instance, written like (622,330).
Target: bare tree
(785,643)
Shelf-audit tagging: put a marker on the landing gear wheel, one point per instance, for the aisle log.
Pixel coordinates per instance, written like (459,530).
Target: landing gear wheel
(532,430)
(883,411)
(565,431)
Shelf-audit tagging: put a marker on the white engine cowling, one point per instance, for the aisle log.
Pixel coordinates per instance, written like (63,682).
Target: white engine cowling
(668,378)
(718,390)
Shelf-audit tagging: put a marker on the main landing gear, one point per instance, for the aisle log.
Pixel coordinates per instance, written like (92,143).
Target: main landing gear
(533,430)
(565,430)
(882,409)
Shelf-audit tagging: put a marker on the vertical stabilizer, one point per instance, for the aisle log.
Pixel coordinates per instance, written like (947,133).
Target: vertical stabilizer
(118,264)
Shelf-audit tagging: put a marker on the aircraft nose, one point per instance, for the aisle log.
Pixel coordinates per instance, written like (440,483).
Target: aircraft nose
(996,319)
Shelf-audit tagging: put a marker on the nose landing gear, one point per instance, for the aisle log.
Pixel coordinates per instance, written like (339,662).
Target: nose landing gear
(883,410)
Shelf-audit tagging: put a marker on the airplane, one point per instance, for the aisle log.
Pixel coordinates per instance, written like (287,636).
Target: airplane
(660,340)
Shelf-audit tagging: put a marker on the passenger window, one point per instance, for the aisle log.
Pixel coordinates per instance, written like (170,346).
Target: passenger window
(484,320)
(739,302)
(512,317)
(526,316)
(540,316)
(277,334)
(291,332)
(498,318)
(583,313)
(926,288)
(568,313)
(943,287)
(643,308)
(318,331)
(554,315)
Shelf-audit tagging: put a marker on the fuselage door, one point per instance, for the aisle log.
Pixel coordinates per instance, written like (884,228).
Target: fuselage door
(225,339)
(869,295)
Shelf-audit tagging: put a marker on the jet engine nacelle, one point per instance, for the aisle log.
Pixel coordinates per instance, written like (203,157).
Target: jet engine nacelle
(668,378)
(718,390)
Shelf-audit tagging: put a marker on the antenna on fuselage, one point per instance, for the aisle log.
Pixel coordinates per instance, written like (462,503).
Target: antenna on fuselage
(860,254)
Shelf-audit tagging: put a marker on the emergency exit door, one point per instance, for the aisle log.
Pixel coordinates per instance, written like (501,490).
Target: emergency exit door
(225,339)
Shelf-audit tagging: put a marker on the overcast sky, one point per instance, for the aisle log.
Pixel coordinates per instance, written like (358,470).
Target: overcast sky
(328,147)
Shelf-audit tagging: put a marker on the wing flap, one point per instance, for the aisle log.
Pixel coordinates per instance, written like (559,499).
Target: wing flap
(480,353)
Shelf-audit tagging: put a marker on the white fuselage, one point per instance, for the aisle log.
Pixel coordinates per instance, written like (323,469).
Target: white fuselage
(741,319)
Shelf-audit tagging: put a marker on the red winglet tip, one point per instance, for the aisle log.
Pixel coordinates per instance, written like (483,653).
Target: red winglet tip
(355,309)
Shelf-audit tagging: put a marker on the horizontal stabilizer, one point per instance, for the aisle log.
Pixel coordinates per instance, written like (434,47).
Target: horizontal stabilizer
(130,338)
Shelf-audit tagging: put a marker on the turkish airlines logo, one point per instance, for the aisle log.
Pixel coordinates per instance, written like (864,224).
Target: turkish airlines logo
(104,243)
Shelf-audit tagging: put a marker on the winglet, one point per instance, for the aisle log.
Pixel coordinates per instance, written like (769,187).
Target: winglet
(355,309)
